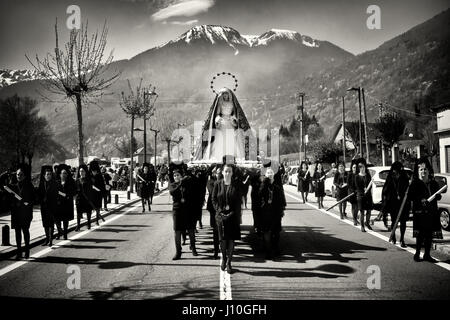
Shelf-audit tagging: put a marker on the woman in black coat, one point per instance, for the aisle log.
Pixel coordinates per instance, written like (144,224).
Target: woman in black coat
(319,183)
(83,196)
(304,179)
(183,219)
(5,197)
(362,185)
(65,191)
(212,179)
(341,184)
(227,203)
(273,204)
(146,188)
(394,190)
(426,218)
(98,189)
(352,189)
(107,195)
(22,209)
(256,181)
(47,192)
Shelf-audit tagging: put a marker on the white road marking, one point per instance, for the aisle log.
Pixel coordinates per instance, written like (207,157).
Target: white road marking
(375,234)
(18,264)
(225,284)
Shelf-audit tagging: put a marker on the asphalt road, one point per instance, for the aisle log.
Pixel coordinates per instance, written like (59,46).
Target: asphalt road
(130,257)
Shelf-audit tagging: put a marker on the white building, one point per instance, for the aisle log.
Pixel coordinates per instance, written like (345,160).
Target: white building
(443,132)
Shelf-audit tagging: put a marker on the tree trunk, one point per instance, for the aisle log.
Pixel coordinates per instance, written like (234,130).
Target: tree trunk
(80,130)
(131,153)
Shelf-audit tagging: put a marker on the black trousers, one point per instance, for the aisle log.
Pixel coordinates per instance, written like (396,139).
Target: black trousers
(26,237)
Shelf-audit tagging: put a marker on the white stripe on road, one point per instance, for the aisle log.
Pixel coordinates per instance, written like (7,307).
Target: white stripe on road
(64,242)
(225,283)
(376,234)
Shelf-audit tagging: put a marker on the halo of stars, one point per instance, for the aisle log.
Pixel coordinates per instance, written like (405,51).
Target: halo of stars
(221,74)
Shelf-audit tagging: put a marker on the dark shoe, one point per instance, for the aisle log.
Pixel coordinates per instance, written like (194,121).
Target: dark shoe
(355,223)
(57,236)
(229,269)
(216,256)
(368,226)
(417,257)
(89,227)
(177,256)
(19,256)
(143,210)
(429,259)
(194,252)
(149,208)
(402,244)
(224,264)
(45,242)
(184,242)
(394,240)
(77,229)
(106,209)
(97,223)
(27,254)
(50,244)
(363,229)
(342,217)
(65,237)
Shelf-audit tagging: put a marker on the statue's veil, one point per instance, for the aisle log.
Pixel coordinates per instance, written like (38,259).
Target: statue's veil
(204,147)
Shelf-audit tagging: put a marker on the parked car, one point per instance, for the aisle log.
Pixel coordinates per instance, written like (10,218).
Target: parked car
(293,175)
(444,204)
(379,175)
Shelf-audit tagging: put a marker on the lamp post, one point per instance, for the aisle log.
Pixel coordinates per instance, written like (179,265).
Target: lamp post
(156,134)
(149,102)
(301,96)
(360,118)
(140,130)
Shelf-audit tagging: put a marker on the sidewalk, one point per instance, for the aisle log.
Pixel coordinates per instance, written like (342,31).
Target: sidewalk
(37,234)
(442,246)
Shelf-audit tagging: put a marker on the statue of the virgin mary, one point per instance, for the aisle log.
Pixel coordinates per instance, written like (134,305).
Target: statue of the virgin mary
(224,119)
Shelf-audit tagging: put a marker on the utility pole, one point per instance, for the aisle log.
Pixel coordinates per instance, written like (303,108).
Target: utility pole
(300,108)
(343,128)
(365,126)
(145,138)
(360,118)
(168,141)
(131,153)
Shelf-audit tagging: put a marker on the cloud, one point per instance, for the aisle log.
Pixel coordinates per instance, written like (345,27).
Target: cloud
(186,8)
(184,23)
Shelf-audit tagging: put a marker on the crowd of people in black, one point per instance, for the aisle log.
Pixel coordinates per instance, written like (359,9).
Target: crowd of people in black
(62,190)
(90,185)
(227,187)
(354,187)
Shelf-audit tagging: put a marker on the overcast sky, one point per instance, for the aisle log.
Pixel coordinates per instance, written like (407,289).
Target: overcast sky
(27,26)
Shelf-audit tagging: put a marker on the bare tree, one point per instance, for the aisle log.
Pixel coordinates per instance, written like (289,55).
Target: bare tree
(78,71)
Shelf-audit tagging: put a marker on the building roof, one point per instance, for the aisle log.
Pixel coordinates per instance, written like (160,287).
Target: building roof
(441,107)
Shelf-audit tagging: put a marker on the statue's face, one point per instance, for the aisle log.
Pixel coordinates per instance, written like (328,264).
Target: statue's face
(423,171)
(226,96)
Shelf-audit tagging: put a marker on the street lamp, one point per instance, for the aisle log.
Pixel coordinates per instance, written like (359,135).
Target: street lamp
(149,102)
(156,134)
(360,117)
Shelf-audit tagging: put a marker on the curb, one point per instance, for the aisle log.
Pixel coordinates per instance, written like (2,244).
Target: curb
(39,240)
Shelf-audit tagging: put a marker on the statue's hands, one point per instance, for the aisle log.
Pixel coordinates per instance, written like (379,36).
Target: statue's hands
(219,121)
(234,121)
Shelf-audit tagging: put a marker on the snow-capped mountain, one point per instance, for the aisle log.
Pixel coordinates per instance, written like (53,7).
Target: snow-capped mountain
(9,77)
(215,34)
